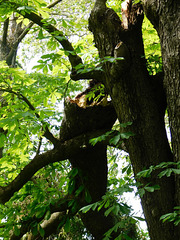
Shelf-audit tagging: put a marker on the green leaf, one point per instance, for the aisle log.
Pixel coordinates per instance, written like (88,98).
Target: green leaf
(73,172)
(126,135)
(41,230)
(40,211)
(176,171)
(67,225)
(125,169)
(152,188)
(139,218)
(64,24)
(40,34)
(95,205)
(115,139)
(141,192)
(16,230)
(124,125)
(45,69)
(71,186)
(127,237)
(50,67)
(60,38)
(94,141)
(35,230)
(2,140)
(129,170)
(87,196)
(79,190)
(53,98)
(26,8)
(109,210)
(166,172)
(86,208)
(48,215)
(75,207)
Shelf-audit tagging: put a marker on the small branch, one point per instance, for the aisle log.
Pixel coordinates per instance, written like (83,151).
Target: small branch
(39,146)
(65,91)
(54,3)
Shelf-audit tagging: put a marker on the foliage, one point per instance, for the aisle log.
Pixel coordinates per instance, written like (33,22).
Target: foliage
(33,101)
(152,48)
(114,136)
(172,217)
(169,168)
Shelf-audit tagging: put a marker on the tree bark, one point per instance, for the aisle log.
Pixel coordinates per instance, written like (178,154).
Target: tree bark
(165,16)
(132,92)
(137,98)
(91,163)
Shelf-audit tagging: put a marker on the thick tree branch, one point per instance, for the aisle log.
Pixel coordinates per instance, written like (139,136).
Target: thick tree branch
(90,74)
(58,211)
(64,150)
(16,43)
(58,35)
(49,226)
(22,35)
(5,32)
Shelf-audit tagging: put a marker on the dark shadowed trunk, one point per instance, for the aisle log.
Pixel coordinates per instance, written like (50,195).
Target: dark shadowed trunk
(165,16)
(132,92)
(91,162)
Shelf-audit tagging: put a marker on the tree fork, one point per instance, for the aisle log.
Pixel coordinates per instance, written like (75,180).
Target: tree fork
(91,163)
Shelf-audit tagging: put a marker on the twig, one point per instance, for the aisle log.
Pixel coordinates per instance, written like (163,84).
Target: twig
(39,146)
(65,91)
(54,3)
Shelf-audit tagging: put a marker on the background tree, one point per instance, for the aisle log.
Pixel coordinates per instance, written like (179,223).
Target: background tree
(30,180)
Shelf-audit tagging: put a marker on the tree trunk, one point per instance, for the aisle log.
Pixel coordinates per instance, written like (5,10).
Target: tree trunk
(10,41)
(165,16)
(132,92)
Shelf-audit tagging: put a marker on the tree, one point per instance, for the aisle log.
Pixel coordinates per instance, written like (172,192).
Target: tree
(138,99)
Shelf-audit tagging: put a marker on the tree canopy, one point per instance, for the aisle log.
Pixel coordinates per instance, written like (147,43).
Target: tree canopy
(87,93)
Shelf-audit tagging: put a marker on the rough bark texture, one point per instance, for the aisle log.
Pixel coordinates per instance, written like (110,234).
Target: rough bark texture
(9,42)
(134,99)
(137,98)
(165,16)
(91,163)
